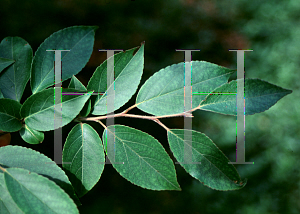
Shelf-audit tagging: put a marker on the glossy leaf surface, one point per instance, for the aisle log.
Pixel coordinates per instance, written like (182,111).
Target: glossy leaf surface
(34,193)
(78,39)
(214,170)
(10,119)
(38,109)
(128,68)
(163,93)
(14,78)
(259,97)
(21,157)
(84,153)
(146,163)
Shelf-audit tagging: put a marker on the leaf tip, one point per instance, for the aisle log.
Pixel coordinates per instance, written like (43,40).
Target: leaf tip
(242,183)
(95,27)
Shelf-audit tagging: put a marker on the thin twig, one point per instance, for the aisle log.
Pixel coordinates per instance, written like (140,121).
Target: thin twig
(124,114)
(161,124)
(98,121)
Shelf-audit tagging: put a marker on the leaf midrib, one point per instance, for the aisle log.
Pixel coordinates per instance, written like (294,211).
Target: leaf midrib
(120,74)
(181,88)
(141,158)
(241,99)
(202,155)
(43,79)
(77,97)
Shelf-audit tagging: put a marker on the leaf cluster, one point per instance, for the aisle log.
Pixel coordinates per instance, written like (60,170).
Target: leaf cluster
(29,181)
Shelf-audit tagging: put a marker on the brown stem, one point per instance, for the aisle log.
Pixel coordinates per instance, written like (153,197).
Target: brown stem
(161,124)
(124,114)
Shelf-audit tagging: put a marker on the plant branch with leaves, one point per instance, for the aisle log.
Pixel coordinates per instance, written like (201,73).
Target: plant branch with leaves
(144,161)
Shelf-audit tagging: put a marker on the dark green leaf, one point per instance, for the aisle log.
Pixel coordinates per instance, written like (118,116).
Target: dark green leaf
(128,72)
(78,39)
(163,93)
(34,193)
(38,109)
(21,157)
(259,96)
(76,84)
(14,78)
(146,163)
(31,136)
(84,151)
(4,62)
(10,119)
(214,170)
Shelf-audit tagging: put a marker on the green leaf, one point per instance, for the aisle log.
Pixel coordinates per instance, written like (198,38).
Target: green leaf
(146,163)
(31,136)
(38,109)
(84,151)
(34,193)
(128,69)
(78,39)
(214,170)
(4,63)
(259,96)
(1,95)
(163,93)
(21,157)
(76,84)
(14,78)
(7,204)
(10,119)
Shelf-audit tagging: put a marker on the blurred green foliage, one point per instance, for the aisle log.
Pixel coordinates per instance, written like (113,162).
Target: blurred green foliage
(270,28)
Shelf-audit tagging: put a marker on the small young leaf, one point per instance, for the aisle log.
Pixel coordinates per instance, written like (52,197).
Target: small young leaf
(14,78)
(259,96)
(38,109)
(214,170)
(78,39)
(4,62)
(10,119)
(84,152)
(146,163)
(21,157)
(76,84)
(34,193)
(128,68)
(163,93)
(30,135)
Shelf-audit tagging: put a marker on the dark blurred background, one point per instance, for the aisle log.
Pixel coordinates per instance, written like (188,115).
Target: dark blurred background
(270,28)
